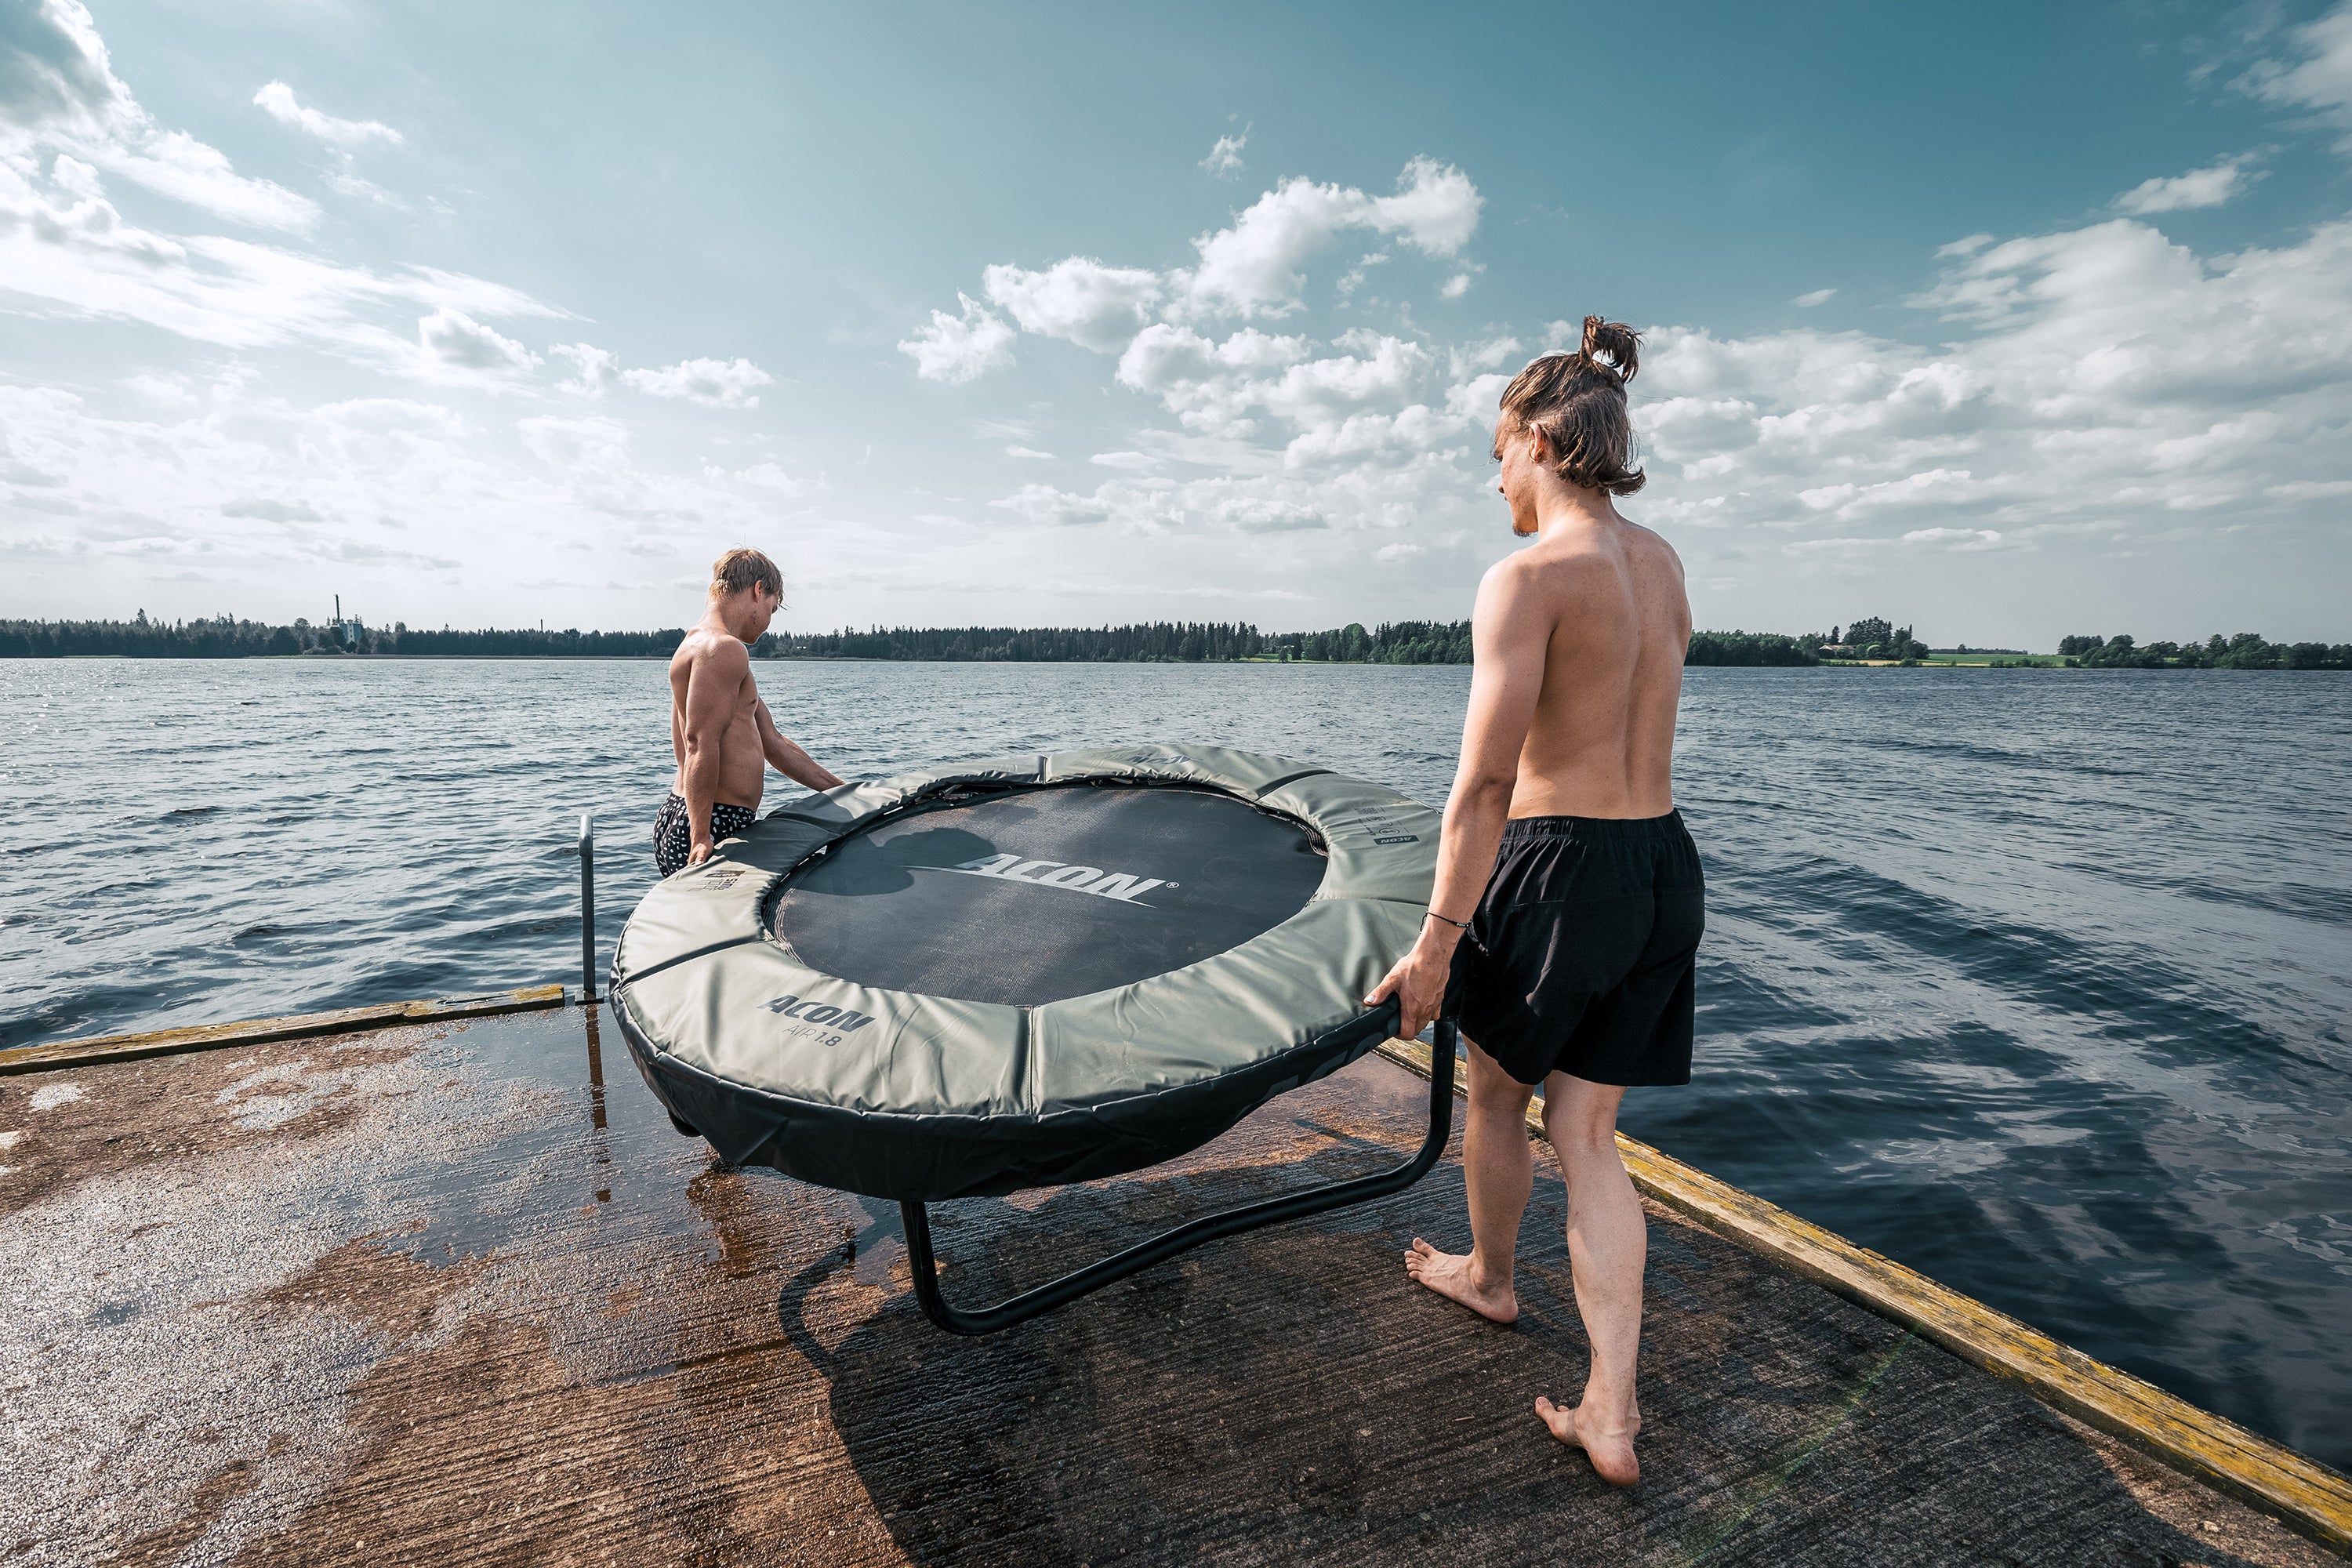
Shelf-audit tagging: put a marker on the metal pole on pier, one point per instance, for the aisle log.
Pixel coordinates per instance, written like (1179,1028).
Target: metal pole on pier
(587,907)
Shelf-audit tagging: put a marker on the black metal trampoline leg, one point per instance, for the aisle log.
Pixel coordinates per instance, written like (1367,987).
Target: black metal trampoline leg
(1208,1227)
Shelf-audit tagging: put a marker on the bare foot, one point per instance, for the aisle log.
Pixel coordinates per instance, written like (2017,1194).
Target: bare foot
(1611,1452)
(1449,1275)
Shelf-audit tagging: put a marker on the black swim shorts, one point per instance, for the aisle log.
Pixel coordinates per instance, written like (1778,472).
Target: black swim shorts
(673,843)
(1582,956)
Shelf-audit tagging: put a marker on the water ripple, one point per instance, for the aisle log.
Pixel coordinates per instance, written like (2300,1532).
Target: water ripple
(2033,980)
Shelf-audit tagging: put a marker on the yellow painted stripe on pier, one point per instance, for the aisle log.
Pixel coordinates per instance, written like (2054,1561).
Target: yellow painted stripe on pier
(2302,1493)
(295,1027)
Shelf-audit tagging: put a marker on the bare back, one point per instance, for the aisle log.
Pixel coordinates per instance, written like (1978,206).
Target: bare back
(1600,741)
(1580,641)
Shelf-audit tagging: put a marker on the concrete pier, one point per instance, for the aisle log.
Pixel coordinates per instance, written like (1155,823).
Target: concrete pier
(451,1291)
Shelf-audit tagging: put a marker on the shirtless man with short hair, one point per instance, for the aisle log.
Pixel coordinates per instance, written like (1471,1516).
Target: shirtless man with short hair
(1568,903)
(718,728)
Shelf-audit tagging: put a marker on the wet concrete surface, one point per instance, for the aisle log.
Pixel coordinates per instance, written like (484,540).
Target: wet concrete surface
(457,1294)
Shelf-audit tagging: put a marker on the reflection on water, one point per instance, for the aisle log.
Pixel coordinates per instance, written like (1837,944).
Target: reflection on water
(2033,980)
(591,1017)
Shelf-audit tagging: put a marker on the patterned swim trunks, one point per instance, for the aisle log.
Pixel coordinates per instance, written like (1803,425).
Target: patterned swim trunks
(673,843)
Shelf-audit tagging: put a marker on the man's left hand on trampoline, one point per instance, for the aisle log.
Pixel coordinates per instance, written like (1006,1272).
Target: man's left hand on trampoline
(1418,980)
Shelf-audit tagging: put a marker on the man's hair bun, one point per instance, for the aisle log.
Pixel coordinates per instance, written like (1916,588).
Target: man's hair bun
(1612,345)
(1578,401)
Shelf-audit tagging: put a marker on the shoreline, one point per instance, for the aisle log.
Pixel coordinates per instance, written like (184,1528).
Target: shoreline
(2024,661)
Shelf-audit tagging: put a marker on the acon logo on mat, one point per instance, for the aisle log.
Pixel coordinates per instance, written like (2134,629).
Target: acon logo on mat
(1120,885)
(840,1018)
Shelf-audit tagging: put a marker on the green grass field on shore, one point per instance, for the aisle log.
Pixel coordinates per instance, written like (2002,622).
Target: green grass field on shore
(1959,661)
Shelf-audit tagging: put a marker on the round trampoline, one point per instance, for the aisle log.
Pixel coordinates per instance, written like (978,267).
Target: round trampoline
(966,982)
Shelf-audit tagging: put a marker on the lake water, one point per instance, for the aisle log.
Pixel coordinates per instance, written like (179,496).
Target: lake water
(2036,980)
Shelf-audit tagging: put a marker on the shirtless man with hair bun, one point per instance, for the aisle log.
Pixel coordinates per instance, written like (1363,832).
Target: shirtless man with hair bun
(718,728)
(1565,922)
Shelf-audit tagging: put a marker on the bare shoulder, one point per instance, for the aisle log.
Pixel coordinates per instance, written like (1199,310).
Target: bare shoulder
(707,656)
(1542,568)
(1658,572)
(1504,576)
(1523,599)
(1561,573)
(1652,546)
(723,653)
(1656,579)
(1517,581)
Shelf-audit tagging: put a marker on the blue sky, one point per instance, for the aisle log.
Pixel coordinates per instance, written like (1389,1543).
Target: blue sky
(2004,321)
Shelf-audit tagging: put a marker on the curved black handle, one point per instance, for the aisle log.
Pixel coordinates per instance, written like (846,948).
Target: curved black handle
(1192,1233)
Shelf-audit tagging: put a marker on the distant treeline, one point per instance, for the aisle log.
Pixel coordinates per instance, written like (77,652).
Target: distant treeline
(567,644)
(2247,650)
(1871,637)
(1390,642)
(1156,642)
(225,636)
(1750,649)
(1173,642)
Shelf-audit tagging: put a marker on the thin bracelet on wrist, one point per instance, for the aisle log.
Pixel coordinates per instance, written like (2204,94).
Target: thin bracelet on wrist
(1463,925)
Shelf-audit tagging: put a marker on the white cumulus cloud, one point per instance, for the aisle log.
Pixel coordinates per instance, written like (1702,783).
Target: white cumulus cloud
(1044,503)
(62,242)
(69,124)
(278,100)
(1224,159)
(1222,388)
(2206,187)
(713,383)
(59,93)
(252,490)
(594,370)
(2320,75)
(175,164)
(2093,390)
(2113,381)
(1252,268)
(955,349)
(455,340)
(1079,297)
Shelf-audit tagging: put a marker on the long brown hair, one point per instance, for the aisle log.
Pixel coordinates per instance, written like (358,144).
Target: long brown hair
(1578,401)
